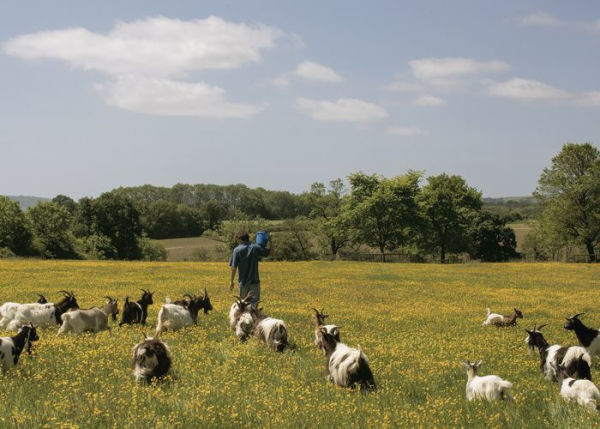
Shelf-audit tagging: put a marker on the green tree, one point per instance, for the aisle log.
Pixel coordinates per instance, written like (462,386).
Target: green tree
(492,240)
(214,213)
(569,192)
(51,227)
(14,231)
(449,207)
(66,202)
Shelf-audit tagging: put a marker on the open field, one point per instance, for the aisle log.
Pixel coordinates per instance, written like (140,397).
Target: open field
(180,249)
(414,322)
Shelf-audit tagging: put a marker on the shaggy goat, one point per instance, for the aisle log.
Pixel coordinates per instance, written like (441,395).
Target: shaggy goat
(489,387)
(320,323)
(136,312)
(583,391)
(346,366)
(177,316)
(13,315)
(240,317)
(11,347)
(575,359)
(272,331)
(94,319)
(587,337)
(499,320)
(151,359)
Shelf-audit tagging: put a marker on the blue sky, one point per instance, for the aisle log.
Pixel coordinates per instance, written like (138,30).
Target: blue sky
(281,94)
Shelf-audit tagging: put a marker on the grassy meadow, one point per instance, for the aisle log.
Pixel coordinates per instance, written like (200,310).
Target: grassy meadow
(414,322)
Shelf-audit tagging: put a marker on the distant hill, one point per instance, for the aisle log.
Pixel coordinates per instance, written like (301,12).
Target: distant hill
(27,201)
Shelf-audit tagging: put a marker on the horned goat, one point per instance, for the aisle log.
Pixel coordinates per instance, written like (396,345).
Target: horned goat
(94,319)
(272,331)
(587,337)
(136,312)
(11,347)
(177,316)
(13,315)
(320,323)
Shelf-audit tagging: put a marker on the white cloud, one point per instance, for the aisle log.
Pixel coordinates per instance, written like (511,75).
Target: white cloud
(590,99)
(403,86)
(407,131)
(528,90)
(316,72)
(429,100)
(344,109)
(539,19)
(153,46)
(163,97)
(448,72)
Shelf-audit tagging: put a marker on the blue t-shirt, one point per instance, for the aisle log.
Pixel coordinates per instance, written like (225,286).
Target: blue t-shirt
(245,257)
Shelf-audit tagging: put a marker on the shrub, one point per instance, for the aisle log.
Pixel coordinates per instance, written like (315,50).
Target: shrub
(151,250)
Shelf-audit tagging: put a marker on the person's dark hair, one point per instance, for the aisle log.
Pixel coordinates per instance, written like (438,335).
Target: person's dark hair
(242,235)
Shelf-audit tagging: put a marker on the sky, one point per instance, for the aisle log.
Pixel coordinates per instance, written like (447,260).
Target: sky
(280,94)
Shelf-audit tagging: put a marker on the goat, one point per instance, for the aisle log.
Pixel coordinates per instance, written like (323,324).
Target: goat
(499,320)
(14,315)
(94,319)
(272,331)
(489,387)
(587,337)
(177,316)
(136,312)
(11,347)
(151,359)
(240,318)
(346,366)
(319,323)
(553,356)
(583,391)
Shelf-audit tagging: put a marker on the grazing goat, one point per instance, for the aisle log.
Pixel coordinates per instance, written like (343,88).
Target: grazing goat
(11,347)
(136,312)
(177,316)
(489,387)
(240,318)
(151,359)
(499,320)
(320,323)
(346,366)
(13,315)
(272,331)
(94,319)
(575,359)
(583,391)
(587,337)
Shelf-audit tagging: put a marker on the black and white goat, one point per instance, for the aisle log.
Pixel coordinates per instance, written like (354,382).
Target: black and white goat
(136,312)
(151,359)
(240,317)
(346,366)
(583,391)
(11,347)
(575,359)
(320,323)
(270,330)
(488,387)
(587,337)
(498,320)
(14,315)
(93,319)
(177,316)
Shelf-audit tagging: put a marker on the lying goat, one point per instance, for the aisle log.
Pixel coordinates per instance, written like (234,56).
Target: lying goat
(14,315)
(583,391)
(320,323)
(11,347)
(272,331)
(575,359)
(151,359)
(240,317)
(94,319)
(177,316)
(136,312)
(587,337)
(346,366)
(501,321)
(489,387)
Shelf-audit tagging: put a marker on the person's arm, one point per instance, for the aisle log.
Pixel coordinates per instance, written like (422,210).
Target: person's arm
(233,270)
(233,263)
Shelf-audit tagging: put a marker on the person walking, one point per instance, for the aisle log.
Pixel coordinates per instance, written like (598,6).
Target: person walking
(244,260)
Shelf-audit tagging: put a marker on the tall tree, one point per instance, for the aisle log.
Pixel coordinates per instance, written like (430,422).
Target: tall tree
(570,195)
(327,206)
(492,240)
(14,231)
(51,227)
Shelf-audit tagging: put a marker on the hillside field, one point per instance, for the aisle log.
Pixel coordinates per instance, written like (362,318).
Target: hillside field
(414,322)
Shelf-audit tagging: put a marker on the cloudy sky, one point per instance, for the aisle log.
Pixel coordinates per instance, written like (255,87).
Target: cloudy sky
(281,94)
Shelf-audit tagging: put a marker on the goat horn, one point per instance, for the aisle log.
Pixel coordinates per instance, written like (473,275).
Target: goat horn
(64,292)
(188,295)
(576,315)
(541,326)
(315,310)
(205,292)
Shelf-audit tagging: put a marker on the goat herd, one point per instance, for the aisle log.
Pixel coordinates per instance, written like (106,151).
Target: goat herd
(346,366)
(570,365)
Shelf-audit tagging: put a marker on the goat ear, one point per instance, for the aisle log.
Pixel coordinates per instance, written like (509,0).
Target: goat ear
(323,330)
(478,364)
(465,364)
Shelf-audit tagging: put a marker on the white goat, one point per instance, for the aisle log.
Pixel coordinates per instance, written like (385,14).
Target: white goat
(489,387)
(240,318)
(320,323)
(178,316)
(270,330)
(583,391)
(495,319)
(14,315)
(94,319)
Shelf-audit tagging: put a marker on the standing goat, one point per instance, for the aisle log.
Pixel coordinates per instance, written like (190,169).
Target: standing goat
(13,315)
(11,347)
(136,312)
(575,359)
(583,391)
(320,323)
(346,366)
(272,331)
(177,316)
(587,337)
(489,387)
(151,359)
(94,319)
(499,320)
(240,317)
